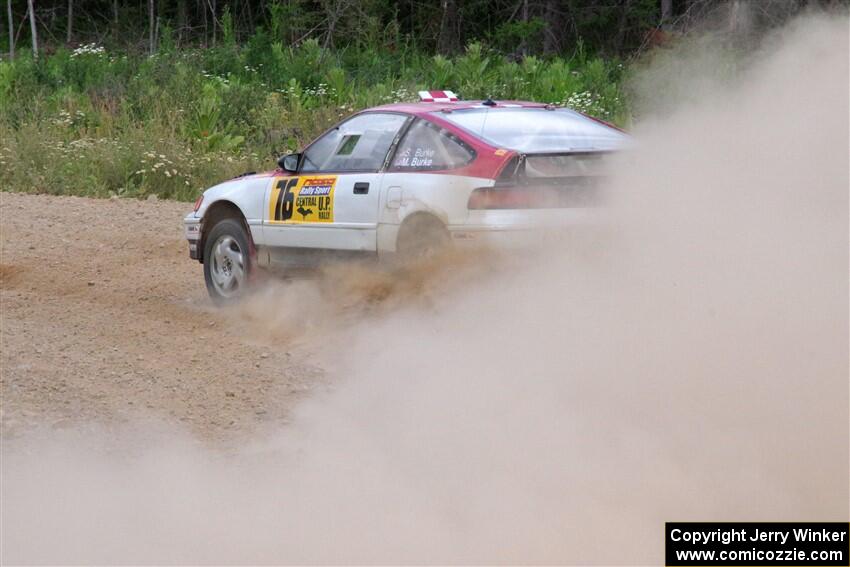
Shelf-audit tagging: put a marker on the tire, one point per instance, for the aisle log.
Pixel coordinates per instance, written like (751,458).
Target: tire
(227,261)
(421,237)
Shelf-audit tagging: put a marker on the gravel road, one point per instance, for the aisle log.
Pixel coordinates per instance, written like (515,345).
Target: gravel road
(105,319)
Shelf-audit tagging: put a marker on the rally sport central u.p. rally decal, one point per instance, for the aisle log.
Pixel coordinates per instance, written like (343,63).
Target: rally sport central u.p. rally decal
(302,200)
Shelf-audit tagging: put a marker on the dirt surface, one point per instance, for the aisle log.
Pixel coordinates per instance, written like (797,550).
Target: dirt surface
(105,318)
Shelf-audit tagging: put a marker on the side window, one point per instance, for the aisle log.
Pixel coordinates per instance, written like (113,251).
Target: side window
(359,144)
(427,146)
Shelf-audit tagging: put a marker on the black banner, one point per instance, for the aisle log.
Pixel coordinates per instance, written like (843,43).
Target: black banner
(757,543)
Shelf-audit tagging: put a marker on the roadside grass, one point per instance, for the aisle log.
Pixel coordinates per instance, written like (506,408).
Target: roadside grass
(93,123)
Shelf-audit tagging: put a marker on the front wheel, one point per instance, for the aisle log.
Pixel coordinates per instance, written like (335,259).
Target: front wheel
(227,261)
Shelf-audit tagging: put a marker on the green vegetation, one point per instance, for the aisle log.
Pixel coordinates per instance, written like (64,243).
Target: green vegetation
(92,122)
(166,97)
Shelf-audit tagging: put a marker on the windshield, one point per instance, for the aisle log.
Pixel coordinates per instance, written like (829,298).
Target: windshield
(536,130)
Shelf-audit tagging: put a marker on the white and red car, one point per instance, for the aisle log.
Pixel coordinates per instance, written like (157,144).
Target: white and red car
(401,179)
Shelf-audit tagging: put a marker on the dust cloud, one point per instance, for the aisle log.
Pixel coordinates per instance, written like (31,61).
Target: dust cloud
(685,360)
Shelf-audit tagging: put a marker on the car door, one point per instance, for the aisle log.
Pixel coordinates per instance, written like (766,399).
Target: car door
(332,202)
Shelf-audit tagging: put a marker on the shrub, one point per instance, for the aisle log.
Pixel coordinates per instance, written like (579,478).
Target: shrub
(93,122)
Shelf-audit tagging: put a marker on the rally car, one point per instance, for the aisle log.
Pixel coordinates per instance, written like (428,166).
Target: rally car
(401,180)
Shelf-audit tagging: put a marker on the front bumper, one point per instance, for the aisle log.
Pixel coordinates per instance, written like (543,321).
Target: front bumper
(192,227)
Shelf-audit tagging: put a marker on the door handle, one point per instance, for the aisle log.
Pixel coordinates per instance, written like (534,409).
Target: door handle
(361,188)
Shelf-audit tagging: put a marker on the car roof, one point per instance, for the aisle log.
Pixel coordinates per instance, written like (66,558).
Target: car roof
(420,108)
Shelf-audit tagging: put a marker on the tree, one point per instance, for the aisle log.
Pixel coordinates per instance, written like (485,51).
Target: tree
(518,27)
(152,28)
(33,29)
(449,40)
(214,14)
(666,12)
(553,32)
(70,26)
(182,19)
(524,44)
(622,29)
(11,29)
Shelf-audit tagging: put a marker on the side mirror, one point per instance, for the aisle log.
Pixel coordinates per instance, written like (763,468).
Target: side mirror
(289,162)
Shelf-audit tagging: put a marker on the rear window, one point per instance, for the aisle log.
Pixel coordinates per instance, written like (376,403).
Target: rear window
(534,130)
(426,146)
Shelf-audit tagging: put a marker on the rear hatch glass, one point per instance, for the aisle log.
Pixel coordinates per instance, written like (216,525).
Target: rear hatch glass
(547,181)
(537,130)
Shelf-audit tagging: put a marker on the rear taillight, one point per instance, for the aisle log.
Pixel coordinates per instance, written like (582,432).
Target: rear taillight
(513,198)
(504,198)
(198,203)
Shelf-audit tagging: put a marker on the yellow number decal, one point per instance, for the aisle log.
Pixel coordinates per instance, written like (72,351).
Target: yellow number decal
(302,200)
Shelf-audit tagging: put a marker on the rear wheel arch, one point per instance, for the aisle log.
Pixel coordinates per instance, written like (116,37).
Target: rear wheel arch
(421,228)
